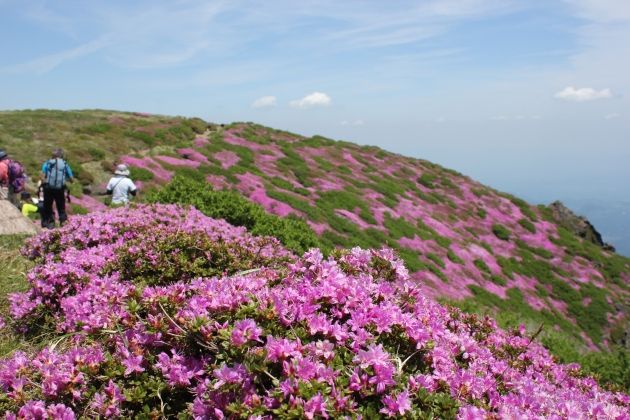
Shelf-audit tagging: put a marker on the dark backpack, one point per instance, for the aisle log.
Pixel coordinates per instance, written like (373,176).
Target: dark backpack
(56,174)
(17,176)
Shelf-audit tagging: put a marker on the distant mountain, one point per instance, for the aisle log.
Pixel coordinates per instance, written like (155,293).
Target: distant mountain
(464,242)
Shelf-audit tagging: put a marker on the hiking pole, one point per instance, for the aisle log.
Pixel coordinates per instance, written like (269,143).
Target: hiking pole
(3,196)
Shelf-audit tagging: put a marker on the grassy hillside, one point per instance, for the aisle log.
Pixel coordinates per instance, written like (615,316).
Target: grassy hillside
(464,242)
(13,268)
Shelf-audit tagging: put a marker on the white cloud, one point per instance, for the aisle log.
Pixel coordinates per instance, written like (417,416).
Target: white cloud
(612,116)
(312,100)
(265,102)
(570,93)
(354,123)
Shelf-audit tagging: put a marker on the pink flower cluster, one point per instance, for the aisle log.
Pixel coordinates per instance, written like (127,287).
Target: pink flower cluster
(345,336)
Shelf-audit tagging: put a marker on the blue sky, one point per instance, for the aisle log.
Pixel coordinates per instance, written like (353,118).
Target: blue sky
(527,96)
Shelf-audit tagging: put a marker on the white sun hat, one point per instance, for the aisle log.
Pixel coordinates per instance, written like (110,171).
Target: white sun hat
(122,170)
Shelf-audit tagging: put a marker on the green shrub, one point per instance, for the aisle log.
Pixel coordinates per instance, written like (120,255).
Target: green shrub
(442,241)
(282,183)
(345,199)
(412,260)
(612,368)
(482,266)
(251,133)
(486,246)
(525,208)
(146,138)
(197,125)
(498,280)
(541,290)
(427,197)
(432,268)
(77,209)
(427,180)
(480,192)
(97,154)
(436,260)
(297,203)
(317,141)
(447,183)
(324,164)
(99,128)
(527,225)
(294,233)
(388,186)
(541,252)
(454,258)
(398,227)
(189,173)
(293,162)
(501,232)
(140,174)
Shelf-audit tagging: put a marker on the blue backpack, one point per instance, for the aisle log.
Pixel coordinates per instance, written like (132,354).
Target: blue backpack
(56,174)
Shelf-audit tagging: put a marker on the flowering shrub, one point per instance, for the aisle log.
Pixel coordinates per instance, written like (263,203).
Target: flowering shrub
(148,328)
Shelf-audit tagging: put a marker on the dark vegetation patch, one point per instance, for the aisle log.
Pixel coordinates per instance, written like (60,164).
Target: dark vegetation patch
(348,199)
(293,232)
(501,232)
(140,174)
(292,162)
(527,225)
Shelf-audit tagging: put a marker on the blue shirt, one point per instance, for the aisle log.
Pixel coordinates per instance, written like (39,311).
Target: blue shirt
(47,164)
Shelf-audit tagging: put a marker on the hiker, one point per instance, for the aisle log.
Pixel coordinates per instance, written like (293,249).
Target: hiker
(12,176)
(30,206)
(55,173)
(120,186)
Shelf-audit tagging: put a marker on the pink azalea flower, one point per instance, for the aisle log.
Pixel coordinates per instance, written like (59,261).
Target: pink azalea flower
(396,405)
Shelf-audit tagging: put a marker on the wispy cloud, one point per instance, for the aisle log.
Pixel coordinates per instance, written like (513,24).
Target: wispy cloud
(49,62)
(585,94)
(611,116)
(265,102)
(163,35)
(389,25)
(315,99)
(156,34)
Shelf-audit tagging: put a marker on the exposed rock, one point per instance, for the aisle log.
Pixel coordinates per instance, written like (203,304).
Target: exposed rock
(579,225)
(13,223)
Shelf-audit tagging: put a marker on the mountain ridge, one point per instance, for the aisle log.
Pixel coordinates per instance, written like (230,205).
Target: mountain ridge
(459,238)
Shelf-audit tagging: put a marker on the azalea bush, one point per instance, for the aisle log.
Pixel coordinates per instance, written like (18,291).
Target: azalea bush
(162,311)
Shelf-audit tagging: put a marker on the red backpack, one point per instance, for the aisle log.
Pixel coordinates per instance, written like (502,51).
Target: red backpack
(17,176)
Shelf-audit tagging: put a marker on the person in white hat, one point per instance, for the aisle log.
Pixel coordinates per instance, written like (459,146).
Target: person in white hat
(120,186)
